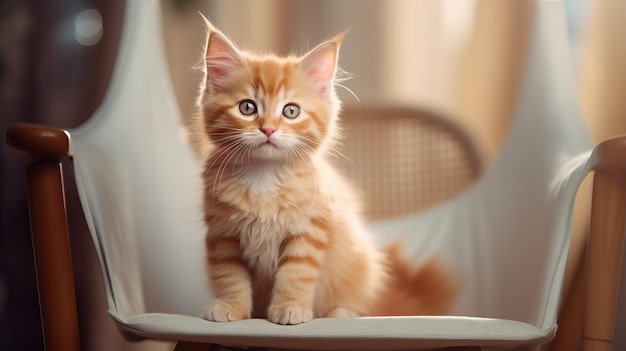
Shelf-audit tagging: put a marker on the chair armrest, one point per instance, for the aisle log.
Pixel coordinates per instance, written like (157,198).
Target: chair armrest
(39,142)
(49,230)
(611,155)
(605,245)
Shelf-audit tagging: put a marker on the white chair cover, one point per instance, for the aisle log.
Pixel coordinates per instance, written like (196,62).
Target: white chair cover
(506,237)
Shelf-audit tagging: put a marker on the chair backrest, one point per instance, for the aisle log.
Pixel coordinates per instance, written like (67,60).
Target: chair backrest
(505,236)
(405,160)
(138,181)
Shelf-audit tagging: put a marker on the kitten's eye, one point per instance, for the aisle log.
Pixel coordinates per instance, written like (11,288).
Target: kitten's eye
(247,107)
(291,111)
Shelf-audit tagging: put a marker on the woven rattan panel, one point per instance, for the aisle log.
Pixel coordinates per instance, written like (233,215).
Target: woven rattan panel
(405,160)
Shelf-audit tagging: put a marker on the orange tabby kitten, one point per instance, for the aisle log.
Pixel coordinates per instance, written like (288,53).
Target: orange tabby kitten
(285,238)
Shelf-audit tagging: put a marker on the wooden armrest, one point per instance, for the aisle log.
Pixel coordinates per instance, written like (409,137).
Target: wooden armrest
(605,245)
(39,142)
(49,230)
(611,155)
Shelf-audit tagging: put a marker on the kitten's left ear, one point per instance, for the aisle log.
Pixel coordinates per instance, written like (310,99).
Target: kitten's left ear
(320,64)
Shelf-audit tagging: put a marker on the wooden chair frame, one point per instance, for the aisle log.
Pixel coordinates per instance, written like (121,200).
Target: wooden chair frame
(49,230)
(48,146)
(605,245)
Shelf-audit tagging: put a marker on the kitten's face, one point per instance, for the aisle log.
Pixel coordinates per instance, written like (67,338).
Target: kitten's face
(268,107)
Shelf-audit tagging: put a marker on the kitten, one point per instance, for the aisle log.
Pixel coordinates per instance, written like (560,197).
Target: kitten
(285,238)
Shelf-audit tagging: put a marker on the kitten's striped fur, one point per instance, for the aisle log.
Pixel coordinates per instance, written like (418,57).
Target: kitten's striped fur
(285,238)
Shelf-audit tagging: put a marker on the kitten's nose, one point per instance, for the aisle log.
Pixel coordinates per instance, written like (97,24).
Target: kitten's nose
(268,131)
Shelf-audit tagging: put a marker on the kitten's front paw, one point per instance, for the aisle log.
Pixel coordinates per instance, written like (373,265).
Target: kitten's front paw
(289,314)
(222,311)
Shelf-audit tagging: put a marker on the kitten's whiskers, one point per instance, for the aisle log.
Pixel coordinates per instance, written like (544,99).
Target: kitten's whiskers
(222,168)
(223,154)
(333,151)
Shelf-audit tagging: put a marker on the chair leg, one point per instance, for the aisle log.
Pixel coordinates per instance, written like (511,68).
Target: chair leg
(604,258)
(53,260)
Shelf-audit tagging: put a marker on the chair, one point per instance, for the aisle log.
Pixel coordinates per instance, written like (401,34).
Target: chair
(408,159)
(508,231)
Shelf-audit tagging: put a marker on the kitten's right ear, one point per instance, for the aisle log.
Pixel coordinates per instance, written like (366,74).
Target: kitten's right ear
(222,58)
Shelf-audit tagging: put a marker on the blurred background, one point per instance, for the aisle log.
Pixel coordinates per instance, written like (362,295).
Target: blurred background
(459,58)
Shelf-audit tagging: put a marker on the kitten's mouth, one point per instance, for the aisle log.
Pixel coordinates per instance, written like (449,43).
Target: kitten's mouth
(268,143)
(269,151)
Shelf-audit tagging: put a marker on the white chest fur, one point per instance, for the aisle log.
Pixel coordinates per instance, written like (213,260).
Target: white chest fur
(260,178)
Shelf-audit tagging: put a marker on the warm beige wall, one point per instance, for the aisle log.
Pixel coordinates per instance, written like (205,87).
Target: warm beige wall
(184,39)
(488,83)
(603,69)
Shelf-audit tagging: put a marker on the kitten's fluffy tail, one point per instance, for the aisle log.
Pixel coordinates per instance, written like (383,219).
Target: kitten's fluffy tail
(427,290)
